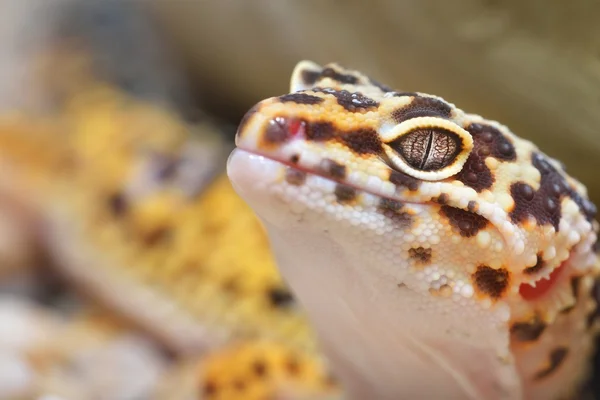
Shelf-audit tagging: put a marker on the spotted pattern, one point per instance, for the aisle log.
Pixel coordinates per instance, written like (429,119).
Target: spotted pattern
(466,222)
(259,370)
(420,255)
(544,204)
(487,142)
(480,235)
(491,282)
(394,210)
(402,180)
(353,102)
(360,141)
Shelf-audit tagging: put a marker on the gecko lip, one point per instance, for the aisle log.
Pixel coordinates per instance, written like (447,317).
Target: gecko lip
(315,172)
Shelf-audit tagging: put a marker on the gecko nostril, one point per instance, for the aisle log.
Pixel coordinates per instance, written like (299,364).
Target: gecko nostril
(276,131)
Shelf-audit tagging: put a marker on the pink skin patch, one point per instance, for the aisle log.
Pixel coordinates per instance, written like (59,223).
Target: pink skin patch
(296,128)
(542,287)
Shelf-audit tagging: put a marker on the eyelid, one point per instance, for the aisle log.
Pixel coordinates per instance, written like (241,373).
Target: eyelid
(389,135)
(424,123)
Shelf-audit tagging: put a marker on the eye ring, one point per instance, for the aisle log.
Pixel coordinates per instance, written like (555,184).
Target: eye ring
(428,148)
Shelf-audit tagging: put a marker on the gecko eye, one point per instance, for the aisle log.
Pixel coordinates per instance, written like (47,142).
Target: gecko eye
(428,148)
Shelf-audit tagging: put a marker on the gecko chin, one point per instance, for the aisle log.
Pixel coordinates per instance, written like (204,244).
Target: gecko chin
(346,254)
(437,268)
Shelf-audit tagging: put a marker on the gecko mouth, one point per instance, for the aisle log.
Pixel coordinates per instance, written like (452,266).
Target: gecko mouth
(328,176)
(544,284)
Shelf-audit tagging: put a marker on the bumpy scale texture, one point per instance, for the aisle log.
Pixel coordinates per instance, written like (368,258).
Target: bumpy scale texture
(452,206)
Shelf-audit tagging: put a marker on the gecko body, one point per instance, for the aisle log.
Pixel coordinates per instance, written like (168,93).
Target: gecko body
(436,253)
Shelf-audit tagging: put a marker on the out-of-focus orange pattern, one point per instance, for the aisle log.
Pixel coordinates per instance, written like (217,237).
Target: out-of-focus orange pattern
(126,202)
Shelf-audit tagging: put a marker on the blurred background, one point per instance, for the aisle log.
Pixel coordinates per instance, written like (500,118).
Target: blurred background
(116,118)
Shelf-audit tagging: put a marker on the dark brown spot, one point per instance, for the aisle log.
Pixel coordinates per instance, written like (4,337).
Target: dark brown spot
(393,210)
(472,206)
(344,193)
(277,131)
(280,297)
(292,365)
(362,141)
(246,118)
(528,331)
(320,131)
(428,149)
(294,159)
(301,98)
(422,107)
(557,357)
(402,180)
(231,286)
(467,223)
(118,204)
(333,169)
(210,388)
(442,198)
(158,235)
(491,282)
(294,176)
(544,204)
(309,77)
(575,282)
(420,255)
(535,268)
(527,192)
(339,77)
(353,102)
(259,368)
(487,142)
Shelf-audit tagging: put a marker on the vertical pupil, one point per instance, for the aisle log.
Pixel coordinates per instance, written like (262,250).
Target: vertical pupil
(428,149)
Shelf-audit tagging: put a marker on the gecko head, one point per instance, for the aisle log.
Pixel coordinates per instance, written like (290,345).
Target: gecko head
(405,189)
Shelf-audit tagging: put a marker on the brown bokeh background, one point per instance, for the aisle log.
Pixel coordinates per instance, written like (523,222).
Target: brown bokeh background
(534,65)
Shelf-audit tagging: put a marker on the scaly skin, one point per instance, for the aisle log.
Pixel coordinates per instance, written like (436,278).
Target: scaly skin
(437,254)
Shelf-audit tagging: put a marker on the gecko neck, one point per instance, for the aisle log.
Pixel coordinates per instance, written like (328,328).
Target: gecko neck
(386,341)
